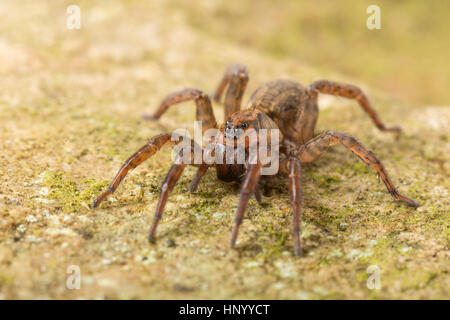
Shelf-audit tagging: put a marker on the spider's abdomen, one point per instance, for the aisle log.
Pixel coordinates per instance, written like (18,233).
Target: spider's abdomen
(290,105)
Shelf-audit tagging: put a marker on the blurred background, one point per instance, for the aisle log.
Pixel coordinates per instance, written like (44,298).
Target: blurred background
(408,57)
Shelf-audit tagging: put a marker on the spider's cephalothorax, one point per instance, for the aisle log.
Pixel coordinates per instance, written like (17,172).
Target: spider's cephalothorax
(280,104)
(237,131)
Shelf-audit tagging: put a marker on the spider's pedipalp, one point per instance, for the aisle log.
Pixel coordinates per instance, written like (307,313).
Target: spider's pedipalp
(258,194)
(198,176)
(247,189)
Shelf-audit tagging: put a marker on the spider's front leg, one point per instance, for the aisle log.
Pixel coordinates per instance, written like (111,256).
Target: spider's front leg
(352,92)
(169,183)
(204,111)
(236,75)
(317,147)
(132,162)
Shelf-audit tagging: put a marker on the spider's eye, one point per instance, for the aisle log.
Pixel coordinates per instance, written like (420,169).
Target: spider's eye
(244,125)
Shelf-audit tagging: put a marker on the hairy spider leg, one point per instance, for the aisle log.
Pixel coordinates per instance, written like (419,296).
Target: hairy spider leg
(204,111)
(236,76)
(318,146)
(352,92)
(248,188)
(169,183)
(132,162)
(296,194)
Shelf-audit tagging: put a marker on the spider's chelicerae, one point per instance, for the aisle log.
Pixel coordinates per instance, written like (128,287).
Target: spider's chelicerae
(280,104)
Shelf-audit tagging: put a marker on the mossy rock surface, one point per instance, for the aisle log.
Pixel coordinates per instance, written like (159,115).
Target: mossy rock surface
(70,106)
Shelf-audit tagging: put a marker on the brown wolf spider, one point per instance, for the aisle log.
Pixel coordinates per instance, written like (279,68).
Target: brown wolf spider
(282,104)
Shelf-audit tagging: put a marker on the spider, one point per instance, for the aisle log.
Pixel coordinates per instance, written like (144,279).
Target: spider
(280,104)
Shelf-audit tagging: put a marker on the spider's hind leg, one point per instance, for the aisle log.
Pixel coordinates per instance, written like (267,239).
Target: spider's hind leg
(318,146)
(352,92)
